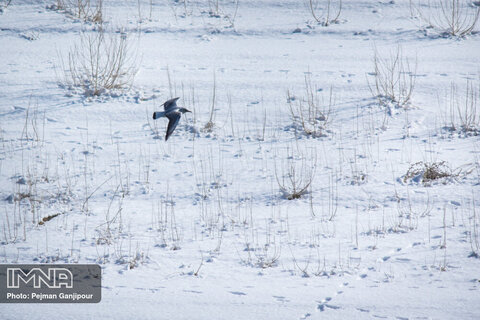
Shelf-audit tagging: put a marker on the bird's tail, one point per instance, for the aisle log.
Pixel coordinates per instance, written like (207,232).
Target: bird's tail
(158,114)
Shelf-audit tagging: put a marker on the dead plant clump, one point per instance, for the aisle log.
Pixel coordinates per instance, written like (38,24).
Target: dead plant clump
(48,218)
(427,173)
(85,10)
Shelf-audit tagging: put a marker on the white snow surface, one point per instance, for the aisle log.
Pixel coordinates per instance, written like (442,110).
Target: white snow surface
(197,227)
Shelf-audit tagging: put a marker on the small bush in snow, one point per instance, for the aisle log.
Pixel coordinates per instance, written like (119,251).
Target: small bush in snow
(296,174)
(394,80)
(464,113)
(449,17)
(100,62)
(325,13)
(310,114)
(218,10)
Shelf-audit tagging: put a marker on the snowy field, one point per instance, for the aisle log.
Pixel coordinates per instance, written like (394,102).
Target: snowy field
(329,169)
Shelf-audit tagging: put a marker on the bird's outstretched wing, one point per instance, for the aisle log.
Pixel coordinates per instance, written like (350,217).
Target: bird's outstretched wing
(169,104)
(174,118)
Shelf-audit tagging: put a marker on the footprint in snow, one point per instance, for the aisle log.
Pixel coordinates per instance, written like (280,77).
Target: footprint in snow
(193,291)
(281,298)
(322,307)
(325,302)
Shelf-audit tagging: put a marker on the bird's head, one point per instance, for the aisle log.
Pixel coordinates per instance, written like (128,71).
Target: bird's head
(184,110)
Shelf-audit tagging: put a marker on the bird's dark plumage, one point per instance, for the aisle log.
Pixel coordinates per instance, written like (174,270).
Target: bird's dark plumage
(173,119)
(173,113)
(169,104)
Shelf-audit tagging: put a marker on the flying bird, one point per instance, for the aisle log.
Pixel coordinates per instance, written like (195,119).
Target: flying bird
(173,113)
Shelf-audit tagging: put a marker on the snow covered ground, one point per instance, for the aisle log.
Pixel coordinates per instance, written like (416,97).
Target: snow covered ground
(201,226)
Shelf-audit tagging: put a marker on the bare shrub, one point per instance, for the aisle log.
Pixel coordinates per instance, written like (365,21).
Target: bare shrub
(184,5)
(449,17)
(394,80)
(138,258)
(267,256)
(142,14)
(428,172)
(463,113)
(325,13)
(329,210)
(84,10)
(311,114)
(218,10)
(296,173)
(410,207)
(261,248)
(100,62)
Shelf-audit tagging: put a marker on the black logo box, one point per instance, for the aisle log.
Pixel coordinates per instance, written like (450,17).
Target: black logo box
(50,283)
